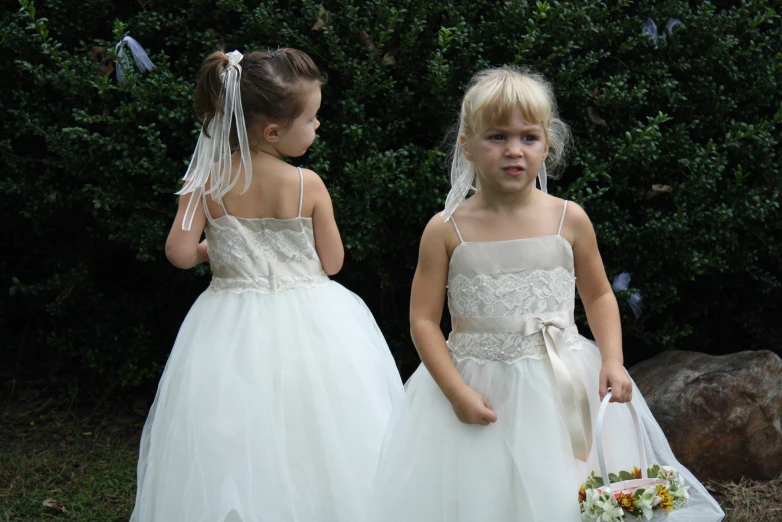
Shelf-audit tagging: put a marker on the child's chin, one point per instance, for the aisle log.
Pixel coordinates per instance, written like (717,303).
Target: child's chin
(516,184)
(298,154)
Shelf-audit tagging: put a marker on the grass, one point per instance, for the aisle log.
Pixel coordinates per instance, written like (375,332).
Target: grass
(57,463)
(750,501)
(81,464)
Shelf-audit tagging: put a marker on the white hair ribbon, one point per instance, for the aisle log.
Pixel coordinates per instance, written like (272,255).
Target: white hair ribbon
(211,160)
(542,178)
(143,62)
(462,179)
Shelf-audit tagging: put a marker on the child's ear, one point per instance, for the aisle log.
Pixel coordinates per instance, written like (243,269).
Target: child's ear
(465,145)
(272,133)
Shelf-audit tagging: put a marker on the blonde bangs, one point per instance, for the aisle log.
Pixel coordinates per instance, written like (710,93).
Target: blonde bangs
(497,93)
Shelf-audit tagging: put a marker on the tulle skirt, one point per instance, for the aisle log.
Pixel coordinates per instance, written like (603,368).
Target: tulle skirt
(434,468)
(271,408)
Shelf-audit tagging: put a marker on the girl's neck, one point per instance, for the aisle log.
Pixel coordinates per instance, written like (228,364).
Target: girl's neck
(265,149)
(262,159)
(503,202)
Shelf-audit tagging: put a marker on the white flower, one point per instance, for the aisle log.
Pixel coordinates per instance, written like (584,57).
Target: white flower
(601,507)
(587,517)
(680,496)
(647,501)
(591,508)
(679,481)
(613,513)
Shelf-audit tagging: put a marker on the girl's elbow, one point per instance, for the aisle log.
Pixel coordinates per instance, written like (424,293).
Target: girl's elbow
(178,258)
(333,264)
(333,267)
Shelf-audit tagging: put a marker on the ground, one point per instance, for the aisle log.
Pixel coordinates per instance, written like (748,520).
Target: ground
(63,459)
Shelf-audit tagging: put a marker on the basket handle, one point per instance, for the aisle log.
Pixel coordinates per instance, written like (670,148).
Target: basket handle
(638,439)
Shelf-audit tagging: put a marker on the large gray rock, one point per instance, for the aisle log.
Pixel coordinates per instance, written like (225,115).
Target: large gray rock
(721,414)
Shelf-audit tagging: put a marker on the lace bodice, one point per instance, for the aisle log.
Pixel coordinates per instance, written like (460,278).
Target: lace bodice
(263,255)
(494,287)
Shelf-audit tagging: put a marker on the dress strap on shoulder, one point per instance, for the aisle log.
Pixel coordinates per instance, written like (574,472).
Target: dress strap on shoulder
(209,217)
(225,210)
(301,190)
(562,219)
(458,233)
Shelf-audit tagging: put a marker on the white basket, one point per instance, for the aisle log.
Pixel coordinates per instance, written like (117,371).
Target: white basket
(626,486)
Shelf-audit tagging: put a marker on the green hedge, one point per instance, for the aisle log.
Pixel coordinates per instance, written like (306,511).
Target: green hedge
(91,164)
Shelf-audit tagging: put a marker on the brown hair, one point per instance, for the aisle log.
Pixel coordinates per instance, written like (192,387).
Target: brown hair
(271,85)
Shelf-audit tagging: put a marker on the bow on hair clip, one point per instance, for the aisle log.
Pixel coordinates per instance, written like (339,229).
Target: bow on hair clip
(636,302)
(650,28)
(234,57)
(143,62)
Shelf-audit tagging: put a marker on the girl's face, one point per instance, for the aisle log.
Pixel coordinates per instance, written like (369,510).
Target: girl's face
(297,137)
(508,156)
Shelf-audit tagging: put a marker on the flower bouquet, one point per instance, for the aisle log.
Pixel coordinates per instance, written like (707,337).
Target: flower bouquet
(640,494)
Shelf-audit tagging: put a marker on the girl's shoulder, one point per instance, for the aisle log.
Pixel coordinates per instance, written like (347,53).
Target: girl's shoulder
(440,233)
(574,213)
(575,223)
(438,226)
(311,178)
(313,185)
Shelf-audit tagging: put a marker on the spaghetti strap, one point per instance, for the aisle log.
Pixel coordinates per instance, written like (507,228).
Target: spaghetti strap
(562,219)
(461,239)
(209,218)
(301,190)
(222,204)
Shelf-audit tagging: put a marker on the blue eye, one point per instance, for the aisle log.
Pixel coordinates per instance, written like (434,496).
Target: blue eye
(530,138)
(497,137)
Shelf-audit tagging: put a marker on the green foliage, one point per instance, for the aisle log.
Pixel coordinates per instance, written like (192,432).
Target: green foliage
(675,157)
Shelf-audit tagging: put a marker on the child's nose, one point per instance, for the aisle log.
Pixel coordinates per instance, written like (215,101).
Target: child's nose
(513,148)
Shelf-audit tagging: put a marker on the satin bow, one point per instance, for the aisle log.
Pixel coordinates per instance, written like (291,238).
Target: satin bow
(572,391)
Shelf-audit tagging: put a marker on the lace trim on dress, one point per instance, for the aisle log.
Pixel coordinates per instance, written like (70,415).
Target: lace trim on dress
(504,347)
(267,284)
(525,293)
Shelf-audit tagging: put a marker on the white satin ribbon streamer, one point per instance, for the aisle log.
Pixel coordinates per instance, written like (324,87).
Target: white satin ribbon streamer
(211,162)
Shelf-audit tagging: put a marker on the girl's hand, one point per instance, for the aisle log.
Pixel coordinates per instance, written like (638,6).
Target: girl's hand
(614,376)
(472,408)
